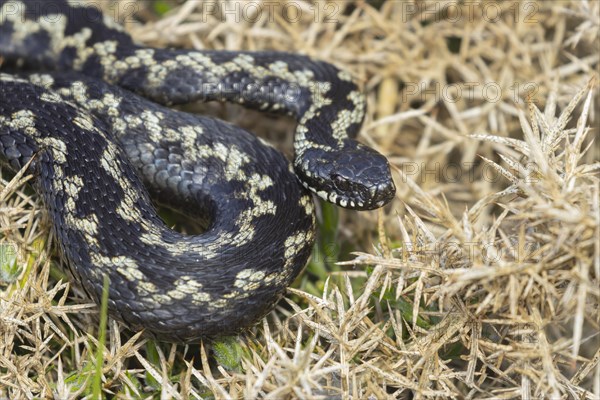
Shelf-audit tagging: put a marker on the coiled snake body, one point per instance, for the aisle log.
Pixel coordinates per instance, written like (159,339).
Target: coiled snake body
(88,105)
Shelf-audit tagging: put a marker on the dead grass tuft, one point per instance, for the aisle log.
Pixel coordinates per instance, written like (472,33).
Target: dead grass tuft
(481,280)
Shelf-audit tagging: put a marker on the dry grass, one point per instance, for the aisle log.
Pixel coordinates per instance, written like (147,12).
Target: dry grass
(481,280)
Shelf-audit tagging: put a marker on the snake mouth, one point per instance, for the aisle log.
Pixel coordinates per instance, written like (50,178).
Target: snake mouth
(367,200)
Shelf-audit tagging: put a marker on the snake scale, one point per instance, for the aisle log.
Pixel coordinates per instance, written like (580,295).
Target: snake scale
(90,109)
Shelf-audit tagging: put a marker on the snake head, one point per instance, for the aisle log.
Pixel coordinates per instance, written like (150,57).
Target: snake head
(354,176)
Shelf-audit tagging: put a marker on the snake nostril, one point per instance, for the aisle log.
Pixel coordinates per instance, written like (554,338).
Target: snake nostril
(384,193)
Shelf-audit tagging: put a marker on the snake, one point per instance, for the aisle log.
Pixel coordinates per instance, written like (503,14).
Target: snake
(92,116)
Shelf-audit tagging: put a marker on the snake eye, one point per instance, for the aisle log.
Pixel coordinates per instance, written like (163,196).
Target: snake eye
(342,184)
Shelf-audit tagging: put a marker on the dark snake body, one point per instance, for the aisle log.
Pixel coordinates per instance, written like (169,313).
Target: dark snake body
(97,147)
